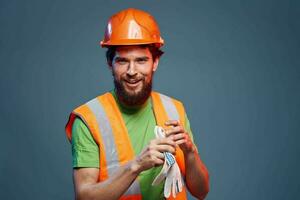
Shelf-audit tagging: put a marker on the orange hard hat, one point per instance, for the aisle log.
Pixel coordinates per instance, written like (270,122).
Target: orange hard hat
(132,27)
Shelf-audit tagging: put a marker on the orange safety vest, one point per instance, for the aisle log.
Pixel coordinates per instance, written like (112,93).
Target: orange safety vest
(104,120)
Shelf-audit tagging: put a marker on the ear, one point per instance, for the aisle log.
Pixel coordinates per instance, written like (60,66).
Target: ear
(155,64)
(109,65)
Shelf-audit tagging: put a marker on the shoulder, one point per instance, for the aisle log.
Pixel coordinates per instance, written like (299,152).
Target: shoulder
(81,132)
(93,101)
(83,112)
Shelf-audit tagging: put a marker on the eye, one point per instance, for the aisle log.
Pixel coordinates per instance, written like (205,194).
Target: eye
(142,60)
(121,61)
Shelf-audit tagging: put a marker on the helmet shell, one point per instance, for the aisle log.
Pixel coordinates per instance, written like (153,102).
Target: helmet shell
(132,27)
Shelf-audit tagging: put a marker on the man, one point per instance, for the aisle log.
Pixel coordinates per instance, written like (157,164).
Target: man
(115,152)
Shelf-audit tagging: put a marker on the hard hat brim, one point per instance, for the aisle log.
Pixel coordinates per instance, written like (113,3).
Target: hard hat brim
(123,42)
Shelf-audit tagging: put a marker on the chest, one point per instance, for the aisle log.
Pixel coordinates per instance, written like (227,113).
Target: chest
(140,129)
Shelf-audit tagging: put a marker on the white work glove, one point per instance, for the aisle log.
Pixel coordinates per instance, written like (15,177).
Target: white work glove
(169,172)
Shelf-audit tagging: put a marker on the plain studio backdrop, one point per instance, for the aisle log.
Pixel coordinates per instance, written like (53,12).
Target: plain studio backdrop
(234,64)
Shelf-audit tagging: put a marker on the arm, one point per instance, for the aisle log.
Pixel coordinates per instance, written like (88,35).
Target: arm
(199,186)
(85,179)
(197,177)
(86,186)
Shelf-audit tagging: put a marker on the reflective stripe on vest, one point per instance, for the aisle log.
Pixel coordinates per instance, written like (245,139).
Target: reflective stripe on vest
(107,135)
(112,160)
(166,108)
(169,107)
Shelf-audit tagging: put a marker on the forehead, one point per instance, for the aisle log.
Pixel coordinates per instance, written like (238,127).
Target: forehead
(132,51)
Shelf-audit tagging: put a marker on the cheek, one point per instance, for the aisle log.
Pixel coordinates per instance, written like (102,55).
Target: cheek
(117,73)
(147,72)
(148,77)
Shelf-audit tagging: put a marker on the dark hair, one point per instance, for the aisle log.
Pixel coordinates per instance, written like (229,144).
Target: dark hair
(155,51)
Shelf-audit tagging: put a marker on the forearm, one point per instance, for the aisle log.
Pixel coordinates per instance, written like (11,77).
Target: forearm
(112,188)
(197,177)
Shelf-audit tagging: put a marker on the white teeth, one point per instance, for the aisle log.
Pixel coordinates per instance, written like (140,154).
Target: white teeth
(132,82)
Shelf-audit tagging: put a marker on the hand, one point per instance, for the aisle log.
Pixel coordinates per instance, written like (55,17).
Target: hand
(153,155)
(179,136)
(170,170)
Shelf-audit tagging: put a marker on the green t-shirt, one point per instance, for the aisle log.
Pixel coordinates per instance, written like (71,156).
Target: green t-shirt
(140,123)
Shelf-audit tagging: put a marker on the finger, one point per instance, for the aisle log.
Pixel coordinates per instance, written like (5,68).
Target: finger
(165,148)
(158,162)
(179,136)
(174,130)
(157,154)
(172,123)
(174,187)
(187,143)
(155,157)
(160,141)
(182,141)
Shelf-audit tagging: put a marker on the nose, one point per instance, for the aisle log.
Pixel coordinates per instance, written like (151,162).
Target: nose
(131,71)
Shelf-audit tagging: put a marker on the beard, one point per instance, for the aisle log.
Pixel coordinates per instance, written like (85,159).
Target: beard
(133,98)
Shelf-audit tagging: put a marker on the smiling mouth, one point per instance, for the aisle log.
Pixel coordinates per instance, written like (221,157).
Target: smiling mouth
(132,83)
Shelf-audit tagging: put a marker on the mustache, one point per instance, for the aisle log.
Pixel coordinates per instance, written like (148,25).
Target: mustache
(133,80)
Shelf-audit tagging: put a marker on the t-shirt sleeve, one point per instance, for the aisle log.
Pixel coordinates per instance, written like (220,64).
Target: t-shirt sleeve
(85,151)
(189,130)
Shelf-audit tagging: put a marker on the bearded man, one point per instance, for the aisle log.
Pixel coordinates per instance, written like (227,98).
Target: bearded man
(116,154)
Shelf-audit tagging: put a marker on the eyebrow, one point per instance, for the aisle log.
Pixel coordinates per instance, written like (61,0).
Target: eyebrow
(120,59)
(137,59)
(144,58)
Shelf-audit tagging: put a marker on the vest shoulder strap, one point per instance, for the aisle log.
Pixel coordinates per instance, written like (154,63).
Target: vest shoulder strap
(167,108)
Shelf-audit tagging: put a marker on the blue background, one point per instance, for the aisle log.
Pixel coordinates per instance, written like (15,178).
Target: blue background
(234,64)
